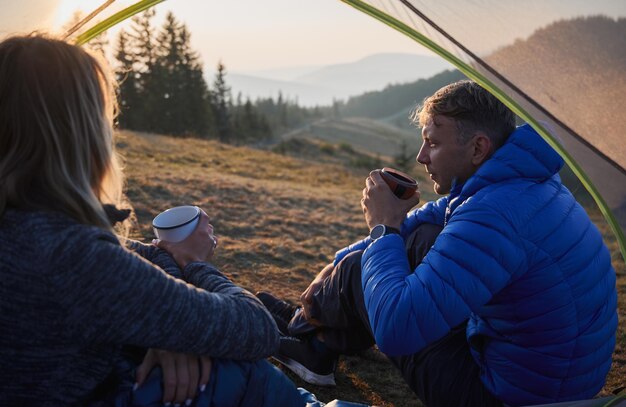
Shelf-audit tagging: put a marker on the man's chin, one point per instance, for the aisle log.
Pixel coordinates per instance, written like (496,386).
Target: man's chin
(440,190)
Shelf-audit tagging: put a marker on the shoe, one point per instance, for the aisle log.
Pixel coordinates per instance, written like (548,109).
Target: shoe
(309,362)
(281,311)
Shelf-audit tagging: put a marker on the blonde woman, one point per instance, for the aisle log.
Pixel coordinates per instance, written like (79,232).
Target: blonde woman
(72,297)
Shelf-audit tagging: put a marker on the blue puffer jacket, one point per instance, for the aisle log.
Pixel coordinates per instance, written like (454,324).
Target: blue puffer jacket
(519,258)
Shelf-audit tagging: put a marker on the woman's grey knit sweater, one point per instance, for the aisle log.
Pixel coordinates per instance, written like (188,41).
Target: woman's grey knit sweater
(71,295)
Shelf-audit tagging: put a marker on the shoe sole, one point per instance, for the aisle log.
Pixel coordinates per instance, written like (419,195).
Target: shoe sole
(305,374)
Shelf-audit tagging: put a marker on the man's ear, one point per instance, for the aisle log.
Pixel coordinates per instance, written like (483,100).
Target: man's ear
(483,147)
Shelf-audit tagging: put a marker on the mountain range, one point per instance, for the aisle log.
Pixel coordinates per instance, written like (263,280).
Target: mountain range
(320,85)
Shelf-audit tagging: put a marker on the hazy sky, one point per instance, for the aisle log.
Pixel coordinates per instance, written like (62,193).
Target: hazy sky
(252,34)
(261,34)
(247,34)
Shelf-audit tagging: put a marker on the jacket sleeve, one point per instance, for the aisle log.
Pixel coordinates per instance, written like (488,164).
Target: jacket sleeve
(432,212)
(114,296)
(473,258)
(359,245)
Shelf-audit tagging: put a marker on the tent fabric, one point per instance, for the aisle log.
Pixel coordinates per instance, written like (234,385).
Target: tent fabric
(561,66)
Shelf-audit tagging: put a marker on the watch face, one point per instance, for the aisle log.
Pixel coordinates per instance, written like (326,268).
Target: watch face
(377,231)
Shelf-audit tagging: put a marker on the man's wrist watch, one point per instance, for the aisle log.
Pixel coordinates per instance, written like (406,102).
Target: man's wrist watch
(380,230)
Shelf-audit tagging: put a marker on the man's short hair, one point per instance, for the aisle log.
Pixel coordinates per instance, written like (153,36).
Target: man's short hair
(472,107)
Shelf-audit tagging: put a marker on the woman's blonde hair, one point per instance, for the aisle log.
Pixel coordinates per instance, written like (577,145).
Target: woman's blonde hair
(57,104)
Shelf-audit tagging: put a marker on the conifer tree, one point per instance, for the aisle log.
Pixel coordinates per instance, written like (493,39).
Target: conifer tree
(147,80)
(239,130)
(220,101)
(250,120)
(264,130)
(128,92)
(183,107)
(142,34)
(162,84)
(282,111)
(197,100)
(168,110)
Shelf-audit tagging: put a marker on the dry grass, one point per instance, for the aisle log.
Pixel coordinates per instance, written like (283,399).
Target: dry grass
(280,219)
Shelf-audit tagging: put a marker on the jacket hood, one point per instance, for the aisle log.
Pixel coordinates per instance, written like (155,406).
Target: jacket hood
(524,155)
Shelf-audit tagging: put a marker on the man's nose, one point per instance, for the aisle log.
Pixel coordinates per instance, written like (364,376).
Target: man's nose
(422,156)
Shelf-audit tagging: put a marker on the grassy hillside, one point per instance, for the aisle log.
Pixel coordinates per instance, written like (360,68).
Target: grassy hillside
(280,219)
(364,134)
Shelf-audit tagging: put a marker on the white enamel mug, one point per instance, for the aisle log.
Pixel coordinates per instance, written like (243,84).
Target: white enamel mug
(175,224)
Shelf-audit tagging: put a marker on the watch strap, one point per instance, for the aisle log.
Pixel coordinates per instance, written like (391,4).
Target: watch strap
(381,230)
(391,231)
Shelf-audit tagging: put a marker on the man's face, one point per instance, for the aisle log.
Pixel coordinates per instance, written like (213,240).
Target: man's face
(446,160)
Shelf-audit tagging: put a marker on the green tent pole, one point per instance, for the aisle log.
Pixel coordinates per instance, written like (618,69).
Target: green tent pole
(116,19)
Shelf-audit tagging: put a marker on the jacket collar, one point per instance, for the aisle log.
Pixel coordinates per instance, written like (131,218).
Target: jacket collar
(525,155)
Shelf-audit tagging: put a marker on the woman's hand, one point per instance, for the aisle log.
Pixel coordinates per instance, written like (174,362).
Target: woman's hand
(198,246)
(183,374)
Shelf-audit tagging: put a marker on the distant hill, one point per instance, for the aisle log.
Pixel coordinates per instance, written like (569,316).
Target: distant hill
(363,134)
(375,72)
(320,86)
(289,73)
(394,103)
(256,87)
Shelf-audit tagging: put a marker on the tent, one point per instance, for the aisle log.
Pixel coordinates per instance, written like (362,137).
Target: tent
(561,66)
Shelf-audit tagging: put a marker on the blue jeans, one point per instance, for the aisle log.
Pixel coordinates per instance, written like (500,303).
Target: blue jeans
(232,384)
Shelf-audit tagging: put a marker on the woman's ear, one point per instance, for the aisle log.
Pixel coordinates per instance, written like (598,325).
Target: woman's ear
(483,148)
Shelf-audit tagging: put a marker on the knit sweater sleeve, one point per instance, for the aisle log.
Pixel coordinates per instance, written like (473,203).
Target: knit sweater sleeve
(155,256)
(114,296)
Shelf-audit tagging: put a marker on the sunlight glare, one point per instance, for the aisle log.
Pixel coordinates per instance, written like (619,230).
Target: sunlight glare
(67,8)
(24,16)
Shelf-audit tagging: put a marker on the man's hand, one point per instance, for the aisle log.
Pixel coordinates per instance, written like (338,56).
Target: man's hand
(307,296)
(183,374)
(381,206)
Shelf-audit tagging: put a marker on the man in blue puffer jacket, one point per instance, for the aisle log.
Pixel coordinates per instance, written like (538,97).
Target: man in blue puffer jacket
(515,301)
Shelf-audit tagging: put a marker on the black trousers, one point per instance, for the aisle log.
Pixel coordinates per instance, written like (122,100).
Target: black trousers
(442,374)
